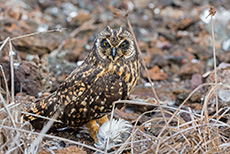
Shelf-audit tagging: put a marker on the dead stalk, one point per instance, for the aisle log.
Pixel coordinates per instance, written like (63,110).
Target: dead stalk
(7,89)
(4,43)
(36,33)
(12,71)
(212,13)
(7,110)
(144,65)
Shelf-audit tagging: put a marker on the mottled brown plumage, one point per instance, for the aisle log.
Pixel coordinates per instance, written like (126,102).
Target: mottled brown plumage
(108,74)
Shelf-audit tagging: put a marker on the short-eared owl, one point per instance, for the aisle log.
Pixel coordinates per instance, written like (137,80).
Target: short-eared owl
(108,74)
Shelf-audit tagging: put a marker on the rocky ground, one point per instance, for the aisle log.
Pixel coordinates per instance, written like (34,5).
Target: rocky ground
(175,39)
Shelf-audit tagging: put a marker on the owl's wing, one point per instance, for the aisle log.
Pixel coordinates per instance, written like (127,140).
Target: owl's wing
(49,105)
(76,89)
(77,83)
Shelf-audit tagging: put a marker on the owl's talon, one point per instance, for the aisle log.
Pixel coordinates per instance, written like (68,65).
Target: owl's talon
(102,120)
(93,129)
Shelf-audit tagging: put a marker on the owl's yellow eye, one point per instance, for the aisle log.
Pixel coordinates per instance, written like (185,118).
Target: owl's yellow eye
(124,44)
(104,43)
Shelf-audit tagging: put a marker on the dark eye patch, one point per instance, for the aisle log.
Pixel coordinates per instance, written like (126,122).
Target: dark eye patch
(105,43)
(124,44)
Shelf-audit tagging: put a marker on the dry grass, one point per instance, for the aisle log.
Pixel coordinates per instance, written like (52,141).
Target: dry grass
(170,131)
(199,134)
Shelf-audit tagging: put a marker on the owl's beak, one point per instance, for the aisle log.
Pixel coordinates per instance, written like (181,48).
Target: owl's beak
(114,52)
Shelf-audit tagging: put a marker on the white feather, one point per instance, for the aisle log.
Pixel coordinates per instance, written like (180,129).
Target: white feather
(118,127)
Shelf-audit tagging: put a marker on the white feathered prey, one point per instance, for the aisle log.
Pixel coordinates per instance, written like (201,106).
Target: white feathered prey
(120,130)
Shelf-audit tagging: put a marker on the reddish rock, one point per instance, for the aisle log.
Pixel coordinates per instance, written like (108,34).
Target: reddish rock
(66,150)
(31,78)
(81,17)
(39,44)
(196,81)
(190,68)
(73,48)
(156,74)
(25,100)
(223,73)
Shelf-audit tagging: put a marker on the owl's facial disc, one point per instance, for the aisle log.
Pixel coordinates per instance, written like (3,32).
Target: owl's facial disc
(115,44)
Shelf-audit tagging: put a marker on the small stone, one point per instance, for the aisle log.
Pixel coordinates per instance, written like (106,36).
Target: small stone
(156,74)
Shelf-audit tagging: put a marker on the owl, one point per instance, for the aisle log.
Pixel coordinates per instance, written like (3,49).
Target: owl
(108,74)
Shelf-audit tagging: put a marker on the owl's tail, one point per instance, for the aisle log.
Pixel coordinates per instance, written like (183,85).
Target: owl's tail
(40,111)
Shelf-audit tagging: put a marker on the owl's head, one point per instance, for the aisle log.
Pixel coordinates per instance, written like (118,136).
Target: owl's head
(114,44)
